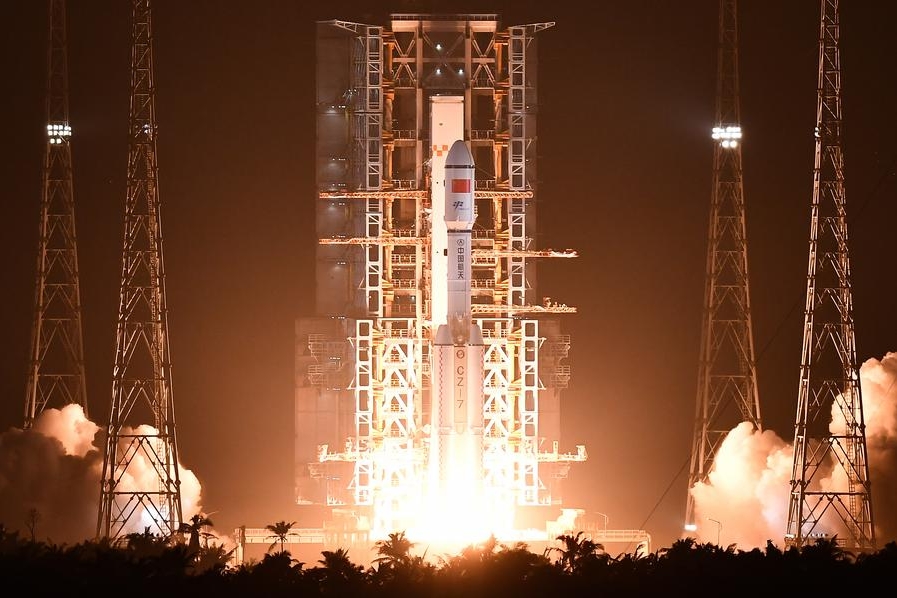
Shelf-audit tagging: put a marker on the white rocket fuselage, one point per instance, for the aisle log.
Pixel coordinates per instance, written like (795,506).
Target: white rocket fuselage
(456,443)
(446,125)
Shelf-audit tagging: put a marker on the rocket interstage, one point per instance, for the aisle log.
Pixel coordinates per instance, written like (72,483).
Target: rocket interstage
(456,442)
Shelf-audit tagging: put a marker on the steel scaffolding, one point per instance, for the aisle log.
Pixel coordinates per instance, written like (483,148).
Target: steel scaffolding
(727,373)
(362,409)
(830,489)
(56,366)
(141,434)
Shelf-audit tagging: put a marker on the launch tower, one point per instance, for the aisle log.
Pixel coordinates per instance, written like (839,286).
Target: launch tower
(727,373)
(391,100)
(830,488)
(140,487)
(56,365)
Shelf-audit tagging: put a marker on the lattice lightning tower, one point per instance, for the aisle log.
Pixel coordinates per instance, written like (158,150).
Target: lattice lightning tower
(727,374)
(829,388)
(142,376)
(56,368)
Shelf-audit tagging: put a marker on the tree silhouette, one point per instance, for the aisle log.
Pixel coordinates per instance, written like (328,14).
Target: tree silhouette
(338,575)
(277,574)
(145,544)
(152,565)
(396,572)
(394,551)
(211,558)
(279,531)
(31,520)
(195,530)
(578,552)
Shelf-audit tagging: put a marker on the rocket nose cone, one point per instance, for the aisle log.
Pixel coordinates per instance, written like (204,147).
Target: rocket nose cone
(459,155)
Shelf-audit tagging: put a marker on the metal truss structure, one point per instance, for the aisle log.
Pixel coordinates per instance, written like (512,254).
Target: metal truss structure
(140,486)
(56,366)
(727,372)
(363,362)
(830,488)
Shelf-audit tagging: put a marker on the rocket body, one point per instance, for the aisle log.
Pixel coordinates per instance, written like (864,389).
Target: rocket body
(456,443)
(459,219)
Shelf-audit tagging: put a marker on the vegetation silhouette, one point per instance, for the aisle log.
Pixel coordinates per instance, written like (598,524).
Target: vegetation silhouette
(279,531)
(144,564)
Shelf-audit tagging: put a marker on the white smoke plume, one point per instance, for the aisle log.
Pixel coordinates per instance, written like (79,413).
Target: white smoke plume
(879,379)
(50,478)
(746,491)
(748,487)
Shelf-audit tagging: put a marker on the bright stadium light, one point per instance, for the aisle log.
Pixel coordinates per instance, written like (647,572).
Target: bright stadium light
(727,136)
(57,133)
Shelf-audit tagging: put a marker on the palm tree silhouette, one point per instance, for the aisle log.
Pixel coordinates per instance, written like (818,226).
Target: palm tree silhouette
(578,552)
(394,551)
(195,529)
(279,531)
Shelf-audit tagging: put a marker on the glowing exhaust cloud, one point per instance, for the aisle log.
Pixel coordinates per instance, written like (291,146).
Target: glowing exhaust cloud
(54,469)
(141,475)
(70,427)
(748,487)
(879,380)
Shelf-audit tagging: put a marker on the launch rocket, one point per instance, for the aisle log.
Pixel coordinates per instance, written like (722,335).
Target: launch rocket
(456,442)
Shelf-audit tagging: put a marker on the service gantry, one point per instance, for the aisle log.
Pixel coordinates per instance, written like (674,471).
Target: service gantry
(140,436)
(363,361)
(56,365)
(830,488)
(727,374)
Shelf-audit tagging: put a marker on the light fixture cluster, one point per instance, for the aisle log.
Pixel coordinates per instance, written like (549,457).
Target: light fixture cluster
(58,133)
(727,136)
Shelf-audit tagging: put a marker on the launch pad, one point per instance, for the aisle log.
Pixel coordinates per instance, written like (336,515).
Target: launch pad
(428,384)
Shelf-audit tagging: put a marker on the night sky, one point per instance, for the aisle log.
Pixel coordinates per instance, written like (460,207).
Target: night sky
(626,103)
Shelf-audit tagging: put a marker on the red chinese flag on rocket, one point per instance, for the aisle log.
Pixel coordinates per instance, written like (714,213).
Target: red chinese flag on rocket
(460,185)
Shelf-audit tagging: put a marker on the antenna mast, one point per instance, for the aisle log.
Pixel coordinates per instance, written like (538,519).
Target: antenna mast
(727,373)
(829,386)
(56,368)
(140,485)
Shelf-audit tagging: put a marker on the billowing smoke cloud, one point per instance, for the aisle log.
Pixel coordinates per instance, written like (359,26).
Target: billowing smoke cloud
(747,489)
(70,427)
(141,473)
(745,500)
(879,379)
(50,478)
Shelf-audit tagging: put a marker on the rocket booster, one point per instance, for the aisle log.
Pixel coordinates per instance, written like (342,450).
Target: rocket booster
(457,416)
